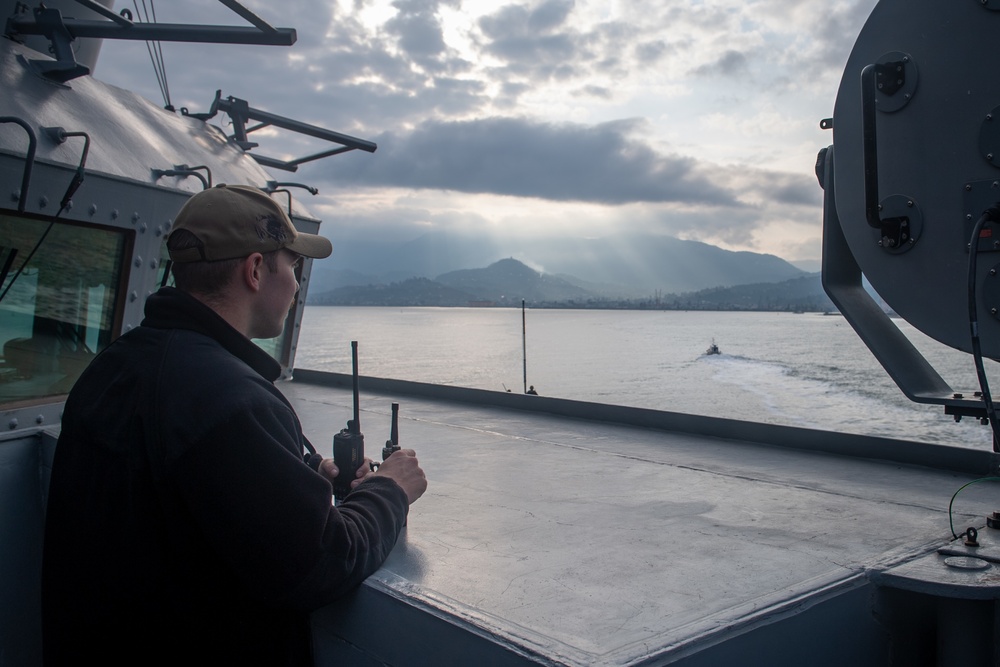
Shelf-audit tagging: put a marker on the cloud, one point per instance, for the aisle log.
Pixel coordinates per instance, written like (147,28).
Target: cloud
(525,158)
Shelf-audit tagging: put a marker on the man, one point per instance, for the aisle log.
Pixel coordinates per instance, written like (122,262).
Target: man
(184,525)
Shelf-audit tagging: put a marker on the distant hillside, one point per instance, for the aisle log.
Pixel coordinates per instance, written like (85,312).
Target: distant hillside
(412,292)
(614,267)
(803,294)
(508,281)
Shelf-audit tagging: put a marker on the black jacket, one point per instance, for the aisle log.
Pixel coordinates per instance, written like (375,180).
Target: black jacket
(182,525)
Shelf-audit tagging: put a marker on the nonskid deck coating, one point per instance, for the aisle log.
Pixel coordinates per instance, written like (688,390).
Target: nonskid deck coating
(593,542)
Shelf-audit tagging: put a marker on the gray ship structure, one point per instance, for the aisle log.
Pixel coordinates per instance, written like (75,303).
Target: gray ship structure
(558,532)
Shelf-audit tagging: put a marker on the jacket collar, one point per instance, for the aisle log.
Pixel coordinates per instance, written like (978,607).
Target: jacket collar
(171,308)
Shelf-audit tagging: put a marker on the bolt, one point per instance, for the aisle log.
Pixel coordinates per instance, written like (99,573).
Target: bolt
(879,244)
(43,202)
(993,311)
(138,262)
(143,228)
(12,424)
(135,217)
(912,240)
(133,296)
(40,419)
(92,210)
(114,214)
(968,187)
(909,203)
(153,263)
(906,59)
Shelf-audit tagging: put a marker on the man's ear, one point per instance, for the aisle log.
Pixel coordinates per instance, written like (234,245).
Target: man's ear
(251,270)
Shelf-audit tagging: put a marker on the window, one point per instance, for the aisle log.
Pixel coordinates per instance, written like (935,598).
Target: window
(58,310)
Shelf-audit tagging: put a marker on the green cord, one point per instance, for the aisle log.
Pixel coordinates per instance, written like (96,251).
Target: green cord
(951,523)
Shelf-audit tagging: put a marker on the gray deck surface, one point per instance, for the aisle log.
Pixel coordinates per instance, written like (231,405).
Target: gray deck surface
(594,542)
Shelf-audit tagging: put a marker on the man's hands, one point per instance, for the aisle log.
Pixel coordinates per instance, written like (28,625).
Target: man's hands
(402,467)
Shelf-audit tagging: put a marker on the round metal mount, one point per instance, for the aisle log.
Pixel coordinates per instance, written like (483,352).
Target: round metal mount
(895,81)
(902,224)
(991,291)
(989,136)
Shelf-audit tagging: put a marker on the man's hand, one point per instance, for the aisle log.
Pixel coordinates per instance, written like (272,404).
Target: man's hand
(402,468)
(330,470)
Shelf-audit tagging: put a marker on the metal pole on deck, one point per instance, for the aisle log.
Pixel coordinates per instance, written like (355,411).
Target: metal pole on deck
(524,348)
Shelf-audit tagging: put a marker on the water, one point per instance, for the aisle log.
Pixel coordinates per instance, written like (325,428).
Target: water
(804,370)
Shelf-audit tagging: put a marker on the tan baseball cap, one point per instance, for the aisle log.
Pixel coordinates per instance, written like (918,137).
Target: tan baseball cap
(232,221)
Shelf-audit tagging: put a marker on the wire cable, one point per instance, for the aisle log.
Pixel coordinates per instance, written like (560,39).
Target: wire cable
(951,524)
(155,50)
(992,214)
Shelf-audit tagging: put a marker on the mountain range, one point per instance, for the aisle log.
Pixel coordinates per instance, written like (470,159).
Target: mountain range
(624,267)
(508,282)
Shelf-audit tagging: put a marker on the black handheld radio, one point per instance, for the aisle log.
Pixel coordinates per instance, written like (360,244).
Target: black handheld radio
(392,444)
(349,444)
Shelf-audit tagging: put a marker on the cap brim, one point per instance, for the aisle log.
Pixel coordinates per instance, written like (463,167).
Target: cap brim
(311,245)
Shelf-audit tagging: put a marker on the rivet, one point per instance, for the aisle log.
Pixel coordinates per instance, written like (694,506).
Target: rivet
(879,244)
(906,59)
(12,424)
(993,311)
(114,214)
(40,419)
(43,202)
(135,217)
(128,327)
(153,263)
(143,228)
(133,296)
(138,261)
(93,209)
(909,203)
(15,195)
(968,187)
(968,216)
(69,205)
(993,272)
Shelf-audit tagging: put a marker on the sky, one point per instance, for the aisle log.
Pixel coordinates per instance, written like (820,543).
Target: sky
(697,119)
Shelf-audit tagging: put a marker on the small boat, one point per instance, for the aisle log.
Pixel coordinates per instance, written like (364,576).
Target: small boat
(713,348)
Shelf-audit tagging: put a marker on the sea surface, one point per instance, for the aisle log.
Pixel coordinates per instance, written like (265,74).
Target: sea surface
(807,370)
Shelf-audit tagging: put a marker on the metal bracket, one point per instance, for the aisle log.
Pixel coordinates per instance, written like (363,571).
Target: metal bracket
(184,170)
(911,372)
(241,112)
(61,33)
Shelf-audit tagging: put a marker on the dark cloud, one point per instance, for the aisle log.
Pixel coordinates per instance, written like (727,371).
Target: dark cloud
(517,157)
(648,53)
(730,64)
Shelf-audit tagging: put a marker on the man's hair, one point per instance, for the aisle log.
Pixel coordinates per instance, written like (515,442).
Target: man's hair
(208,279)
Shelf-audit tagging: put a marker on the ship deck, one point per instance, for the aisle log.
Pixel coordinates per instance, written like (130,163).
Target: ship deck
(550,539)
